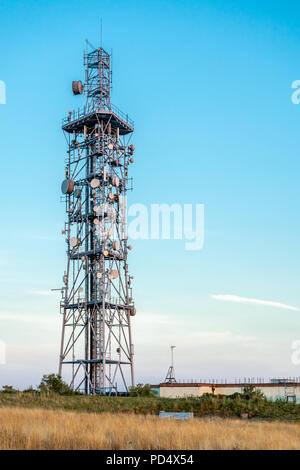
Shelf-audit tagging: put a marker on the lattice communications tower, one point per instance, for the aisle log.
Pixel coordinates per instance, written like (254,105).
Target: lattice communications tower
(97,306)
(170,377)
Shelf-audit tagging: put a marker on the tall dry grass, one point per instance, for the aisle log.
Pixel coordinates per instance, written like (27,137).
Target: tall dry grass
(46,429)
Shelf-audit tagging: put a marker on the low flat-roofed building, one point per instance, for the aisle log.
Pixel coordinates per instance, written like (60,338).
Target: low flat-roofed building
(278,389)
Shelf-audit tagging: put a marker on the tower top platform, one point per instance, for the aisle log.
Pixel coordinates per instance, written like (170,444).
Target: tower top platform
(76,120)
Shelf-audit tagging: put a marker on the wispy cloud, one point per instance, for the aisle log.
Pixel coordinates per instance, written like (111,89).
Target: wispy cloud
(246,300)
(147,318)
(215,337)
(166,328)
(41,237)
(40,292)
(36,319)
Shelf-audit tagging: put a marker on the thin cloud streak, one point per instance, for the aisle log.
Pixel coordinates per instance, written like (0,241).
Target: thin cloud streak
(40,292)
(246,300)
(36,319)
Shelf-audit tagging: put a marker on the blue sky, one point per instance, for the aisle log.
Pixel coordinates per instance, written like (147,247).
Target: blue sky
(209,87)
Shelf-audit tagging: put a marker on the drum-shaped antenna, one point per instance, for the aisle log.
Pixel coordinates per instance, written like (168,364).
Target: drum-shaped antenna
(95,183)
(74,241)
(77,87)
(115,181)
(115,245)
(133,312)
(67,187)
(113,274)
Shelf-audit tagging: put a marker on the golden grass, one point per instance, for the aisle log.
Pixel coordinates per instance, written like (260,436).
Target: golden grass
(47,429)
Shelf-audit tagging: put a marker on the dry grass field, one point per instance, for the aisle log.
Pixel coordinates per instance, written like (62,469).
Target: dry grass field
(47,429)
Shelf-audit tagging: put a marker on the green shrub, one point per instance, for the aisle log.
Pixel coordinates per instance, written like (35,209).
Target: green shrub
(251,392)
(53,383)
(141,390)
(8,389)
(30,389)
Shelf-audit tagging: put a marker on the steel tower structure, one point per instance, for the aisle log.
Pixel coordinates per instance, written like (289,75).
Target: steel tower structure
(97,304)
(170,377)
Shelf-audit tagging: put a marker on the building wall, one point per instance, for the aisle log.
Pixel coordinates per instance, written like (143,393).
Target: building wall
(281,392)
(271,392)
(180,392)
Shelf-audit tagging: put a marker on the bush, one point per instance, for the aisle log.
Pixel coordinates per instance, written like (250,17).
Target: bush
(252,393)
(141,390)
(235,396)
(30,390)
(53,383)
(8,389)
